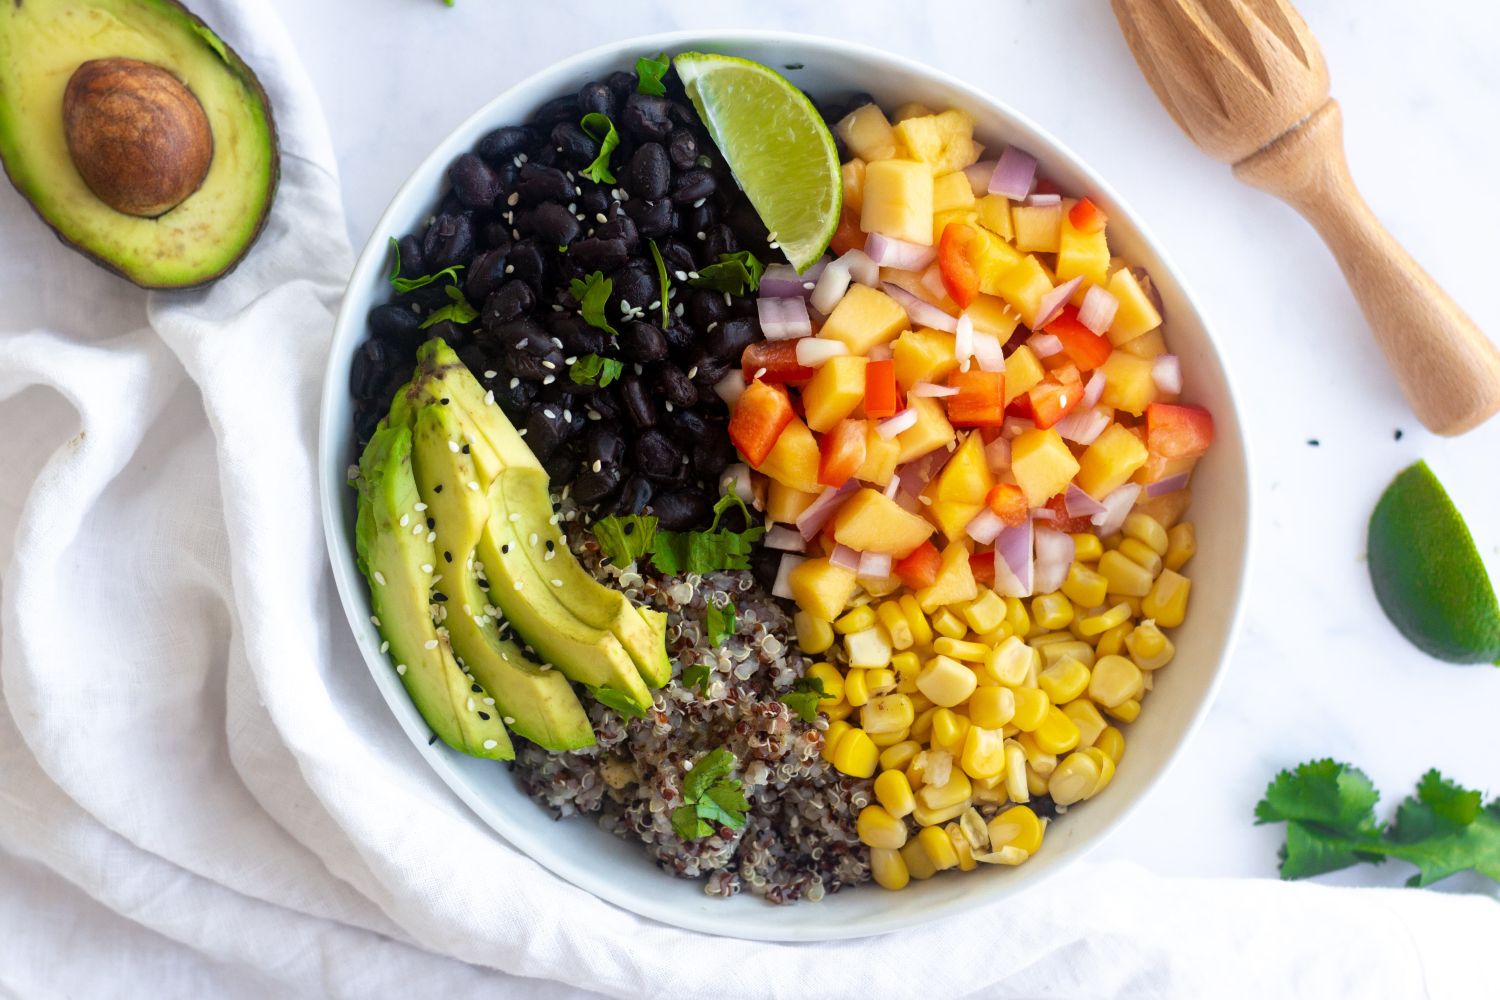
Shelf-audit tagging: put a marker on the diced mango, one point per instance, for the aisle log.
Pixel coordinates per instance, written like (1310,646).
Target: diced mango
(923,355)
(991,315)
(1023,287)
(931,431)
(1137,313)
(943,141)
(864,318)
(898,200)
(966,477)
(954,583)
(1042,464)
(1110,461)
(853,174)
(941,220)
(881,457)
(1023,371)
(794,460)
(1038,227)
(911,109)
(1128,384)
(1081,254)
(822,589)
(870,522)
(834,392)
(949,192)
(952,516)
(1147,345)
(785,504)
(998,259)
(867,133)
(994,215)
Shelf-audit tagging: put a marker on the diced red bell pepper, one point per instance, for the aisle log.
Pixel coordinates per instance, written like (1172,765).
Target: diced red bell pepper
(1065,522)
(1087,217)
(919,568)
(841,452)
(880,389)
(982,565)
(1178,430)
(848,236)
(1085,348)
(760,415)
(960,251)
(1046,185)
(774,361)
(1056,396)
(980,401)
(1009,504)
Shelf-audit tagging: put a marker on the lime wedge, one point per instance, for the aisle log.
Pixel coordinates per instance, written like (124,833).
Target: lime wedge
(776,143)
(1427,572)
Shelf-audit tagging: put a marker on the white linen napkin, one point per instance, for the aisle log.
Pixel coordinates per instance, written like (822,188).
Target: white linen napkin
(201,793)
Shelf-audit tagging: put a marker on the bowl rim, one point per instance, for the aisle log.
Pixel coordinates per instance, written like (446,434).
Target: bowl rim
(332,434)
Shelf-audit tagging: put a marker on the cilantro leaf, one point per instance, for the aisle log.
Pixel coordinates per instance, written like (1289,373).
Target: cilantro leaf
(404,285)
(720,623)
(611,698)
(686,823)
(804,697)
(736,273)
(592,294)
(710,797)
(625,539)
(591,369)
(706,770)
(697,675)
(666,284)
(651,72)
(458,309)
(599,128)
(1323,792)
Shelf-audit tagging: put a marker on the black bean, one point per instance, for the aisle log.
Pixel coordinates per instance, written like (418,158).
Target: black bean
(536,184)
(485,274)
(595,98)
(546,429)
(858,101)
(713,452)
(639,405)
(764,565)
(658,457)
(636,285)
(562,465)
(578,338)
(603,445)
(650,171)
(449,241)
(621,84)
(710,372)
(413,264)
(728,340)
(529,266)
(559,109)
(455,335)
(594,202)
(607,405)
(706,307)
(698,219)
(594,487)
(682,510)
(636,495)
(681,114)
(494,234)
(394,323)
(506,303)
(679,257)
(575,147)
(515,395)
(554,225)
(675,386)
(693,185)
(687,426)
(473,181)
(682,148)
(681,337)
(594,254)
(504,143)
(366,419)
(748,227)
(621,227)
(646,117)
(642,342)
(653,219)
(367,369)
(475,358)
(719,240)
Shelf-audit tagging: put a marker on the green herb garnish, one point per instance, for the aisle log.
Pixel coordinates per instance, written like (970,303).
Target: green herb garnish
(610,698)
(601,130)
(651,72)
(593,294)
(458,309)
(404,285)
(710,797)
(1329,811)
(736,273)
(624,539)
(804,696)
(720,623)
(666,284)
(697,676)
(591,369)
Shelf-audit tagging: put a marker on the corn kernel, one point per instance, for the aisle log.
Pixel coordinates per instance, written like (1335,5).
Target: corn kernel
(992,707)
(1182,545)
(961,847)
(958,649)
(856,620)
(986,612)
(888,868)
(1036,783)
(896,625)
(1123,575)
(831,679)
(1085,715)
(1148,531)
(1086,547)
(1149,647)
(937,817)
(1039,760)
(1077,649)
(1126,711)
(1113,640)
(946,681)
(1106,768)
(893,792)
(1017,827)
(897,756)
(878,828)
(1112,742)
(921,630)
(1084,586)
(890,739)
(921,726)
(856,755)
(949,729)
(994,796)
(984,753)
(1057,733)
(1015,772)
(996,636)
(814,635)
(946,623)
(1141,554)
(1167,602)
(1051,611)
(1064,680)
(919,701)
(869,647)
(1031,708)
(938,847)
(975,830)
(1016,616)
(836,732)
(1010,661)
(1005,856)
(1074,779)
(887,713)
(1115,680)
(856,692)
(918,865)
(1044,639)
(881,680)
(1096,624)
(837,710)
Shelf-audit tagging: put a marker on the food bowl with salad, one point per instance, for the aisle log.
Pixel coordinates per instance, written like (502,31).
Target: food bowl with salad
(762,470)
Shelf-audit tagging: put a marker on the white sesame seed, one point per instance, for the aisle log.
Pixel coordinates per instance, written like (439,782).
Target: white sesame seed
(809,285)
(514,382)
(571,360)
(548,556)
(380,578)
(518,584)
(489,701)
(556,308)
(405,520)
(557,583)
(760,373)
(473,486)
(576,189)
(469,704)
(572,205)
(595,415)
(385,647)
(532,540)
(597,465)
(401,670)
(510,269)
(453,447)
(374,621)
(432,537)
(681,275)
(419,507)
(669,406)
(656,304)
(699,202)
(549,413)
(427,567)
(489,398)
(514,198)
(430,644)
(515,234)
(522,157)
(514,517)
(639,369)
(416,529)
(490,373)
(509,720)
(549,380)
(701,235)
(728,299)
(490,744)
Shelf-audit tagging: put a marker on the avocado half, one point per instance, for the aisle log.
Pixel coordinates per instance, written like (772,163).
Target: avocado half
(219,185)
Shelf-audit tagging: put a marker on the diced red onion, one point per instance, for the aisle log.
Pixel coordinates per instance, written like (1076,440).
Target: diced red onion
(932,281)
(899,254)
(997,454)
(785,539)
(781,281)
(989,353)
(891,426)
(1116,506)
(985,526)
(932,391)
(1044,200)
(1084,426)
(736,477)
(730,386)
(831,286)
(1013,553)
(880,352)
(1054,557)
(875,565)
(1013,174)
(1043,514)
(814,351)
(1044,345)
(783,586)
(784,319)
(1098,309)
(963,341)
(892,488)
(908,502)
(861,268)
(811,520)
(1016,426)
(844,557)
(1169,485)
(1093,390)
(1053,302)
(1166,372)
(919,312)
(1080,504)
(979,175)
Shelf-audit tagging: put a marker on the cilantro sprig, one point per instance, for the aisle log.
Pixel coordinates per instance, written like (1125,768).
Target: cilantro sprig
(710,798)
(404,285)
(804,697)
(736,273)
(621,704)
(592,294)
(720,623)
(651,72)
(697,675)
(665,282)
(1329,810)
(629,538)
(601,130)
(458,309)
(591,369)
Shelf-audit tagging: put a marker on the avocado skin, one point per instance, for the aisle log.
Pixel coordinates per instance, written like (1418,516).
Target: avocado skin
(177,20)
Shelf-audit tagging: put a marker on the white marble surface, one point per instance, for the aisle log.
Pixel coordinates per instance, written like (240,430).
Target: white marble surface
(1318,670)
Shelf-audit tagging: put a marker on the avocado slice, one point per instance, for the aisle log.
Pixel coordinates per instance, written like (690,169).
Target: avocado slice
(399,566)
(182,197)
(525,487)
(541,702)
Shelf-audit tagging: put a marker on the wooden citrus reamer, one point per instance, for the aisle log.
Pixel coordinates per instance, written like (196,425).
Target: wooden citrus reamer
(1246,81)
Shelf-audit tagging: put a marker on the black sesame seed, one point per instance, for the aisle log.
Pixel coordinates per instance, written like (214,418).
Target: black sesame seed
(1399,433)
(439,596)
(505,548)
(432,740)
(438,488)
(465,449)
(444,401)
(476,689)
(1312,442)
(550,546)
(629,527)
(485,716)
(431,524)
(447,556)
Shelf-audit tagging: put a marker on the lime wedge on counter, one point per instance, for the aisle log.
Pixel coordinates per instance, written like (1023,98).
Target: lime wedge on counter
(1427,572)
(776,143)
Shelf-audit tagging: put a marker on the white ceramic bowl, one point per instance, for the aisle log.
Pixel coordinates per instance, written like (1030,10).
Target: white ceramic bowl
(620,872)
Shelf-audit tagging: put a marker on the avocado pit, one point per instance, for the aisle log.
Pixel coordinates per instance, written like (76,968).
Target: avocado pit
(138,136)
